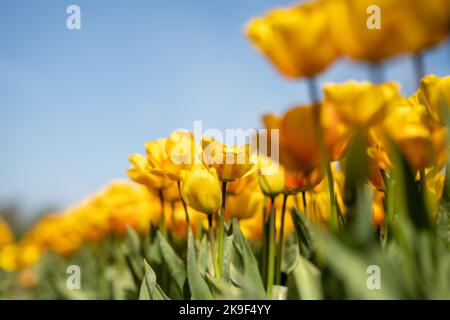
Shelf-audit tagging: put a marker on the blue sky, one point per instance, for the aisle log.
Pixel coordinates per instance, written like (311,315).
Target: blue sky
(75,104)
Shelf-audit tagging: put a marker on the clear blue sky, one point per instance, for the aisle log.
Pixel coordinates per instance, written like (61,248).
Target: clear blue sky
(75,104)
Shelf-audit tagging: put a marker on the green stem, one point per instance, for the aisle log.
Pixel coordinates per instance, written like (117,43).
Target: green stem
(162,224)
(281,243)
(376,72)
(333,212)
(271,252)
(184,205)
(304,200)
(264,247)
(314,95)
(221,227)
(212,246)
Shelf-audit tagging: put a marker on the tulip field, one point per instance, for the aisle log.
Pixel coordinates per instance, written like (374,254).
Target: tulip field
(346,197)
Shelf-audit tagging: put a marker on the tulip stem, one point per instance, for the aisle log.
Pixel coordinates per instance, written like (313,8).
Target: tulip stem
(419,66)
(314,96)
(281,243)
(212,246)
(333,213)
(376,72)
(271,253)
(304,200)
(312,89)
(184,205)
(162,224)
(221,227)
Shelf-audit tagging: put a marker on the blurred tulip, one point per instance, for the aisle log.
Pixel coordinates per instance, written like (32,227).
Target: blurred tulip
(361,104)
(434,94)
(298,181)
(404,26)
(296,39)
(378,209)
(6,235)
(298,135)
(405,126)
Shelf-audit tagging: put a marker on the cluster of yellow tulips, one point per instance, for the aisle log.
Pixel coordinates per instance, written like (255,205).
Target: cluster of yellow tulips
(303,40)
(107,212)
(184,185)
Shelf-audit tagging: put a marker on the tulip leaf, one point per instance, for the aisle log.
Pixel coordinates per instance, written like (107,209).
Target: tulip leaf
(305,233)
(205,262)
(248,263)
(362,270)
(408,193)
(305,281)
(143,291)
(222,289)
(227,251)
(176,266)
(279,292)
(154,290)
(197,284)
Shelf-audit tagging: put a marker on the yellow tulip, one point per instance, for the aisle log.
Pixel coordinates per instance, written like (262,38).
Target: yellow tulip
(176,221)
(434,94)
(378,209)
(245,205)
(230,162)
(297,181)
(141,172)
(172,155)
(296,39)
(361,104)
(405,26)
(201,190)
(8,257)
(6,236)
(432,22)
(406,127)
(298,135)
(271,177)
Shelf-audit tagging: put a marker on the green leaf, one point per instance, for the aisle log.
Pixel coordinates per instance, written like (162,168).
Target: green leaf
(305,233)
(197,284)
(205,262)
(407,192)
(353,268)
(248,272)
(154,291)
(222,289)
(176,266)
(227,250)
(143,291)
(279,292)
(305,281)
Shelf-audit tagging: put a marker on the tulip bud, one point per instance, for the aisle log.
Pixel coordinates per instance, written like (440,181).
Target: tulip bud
(201,190)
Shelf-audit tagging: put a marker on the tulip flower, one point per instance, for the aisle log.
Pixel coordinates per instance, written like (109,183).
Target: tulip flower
(405,126)
(434,94)
(6,236)
(230,162)
(299,181)
(271,177)
(141,172)
(361,104)
(296,39)
(172,155)
(201,190)
(404,26)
